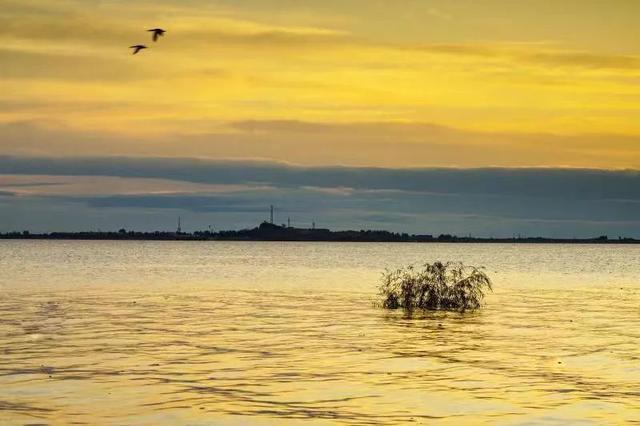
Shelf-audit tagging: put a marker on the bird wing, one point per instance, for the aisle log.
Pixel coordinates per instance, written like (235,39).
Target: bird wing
(155,36)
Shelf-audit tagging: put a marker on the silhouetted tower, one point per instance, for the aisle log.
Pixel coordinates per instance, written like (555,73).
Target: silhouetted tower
(288,222)
(271,216)
(179,228)
(313,225)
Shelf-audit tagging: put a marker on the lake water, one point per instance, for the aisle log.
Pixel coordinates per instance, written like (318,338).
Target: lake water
(236,333)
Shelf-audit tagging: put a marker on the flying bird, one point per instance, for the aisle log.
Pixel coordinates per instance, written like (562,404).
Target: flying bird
(137,47)
(157,32)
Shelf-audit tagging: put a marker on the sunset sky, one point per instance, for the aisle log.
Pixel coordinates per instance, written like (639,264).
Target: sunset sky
(310,85)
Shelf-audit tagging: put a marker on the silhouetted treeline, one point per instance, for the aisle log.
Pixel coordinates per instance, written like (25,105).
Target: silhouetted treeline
(270,232)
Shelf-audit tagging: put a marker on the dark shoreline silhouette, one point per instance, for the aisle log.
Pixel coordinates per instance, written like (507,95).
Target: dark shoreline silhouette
(270,232)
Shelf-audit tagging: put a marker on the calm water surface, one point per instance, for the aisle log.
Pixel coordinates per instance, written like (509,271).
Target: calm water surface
(151,333)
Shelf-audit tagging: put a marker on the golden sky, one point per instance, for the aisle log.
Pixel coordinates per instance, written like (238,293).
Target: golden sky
(406,83)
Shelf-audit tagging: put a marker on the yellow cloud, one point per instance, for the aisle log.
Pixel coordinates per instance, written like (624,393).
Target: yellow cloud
(68,63)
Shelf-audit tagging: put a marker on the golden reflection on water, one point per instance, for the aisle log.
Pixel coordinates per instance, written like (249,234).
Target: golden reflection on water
(174,333)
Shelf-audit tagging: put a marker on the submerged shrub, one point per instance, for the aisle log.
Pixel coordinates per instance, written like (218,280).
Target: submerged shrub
(449,286)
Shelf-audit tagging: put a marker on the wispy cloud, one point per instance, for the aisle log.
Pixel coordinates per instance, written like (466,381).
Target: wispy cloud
(542,54)
(314,143)
(24,65)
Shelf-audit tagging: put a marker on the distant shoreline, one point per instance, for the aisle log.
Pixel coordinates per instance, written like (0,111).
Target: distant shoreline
(270,232)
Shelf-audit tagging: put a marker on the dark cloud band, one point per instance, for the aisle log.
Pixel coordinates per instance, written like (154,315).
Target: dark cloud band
(589,184)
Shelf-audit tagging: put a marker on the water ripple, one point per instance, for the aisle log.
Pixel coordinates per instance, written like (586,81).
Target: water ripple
(208,351)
